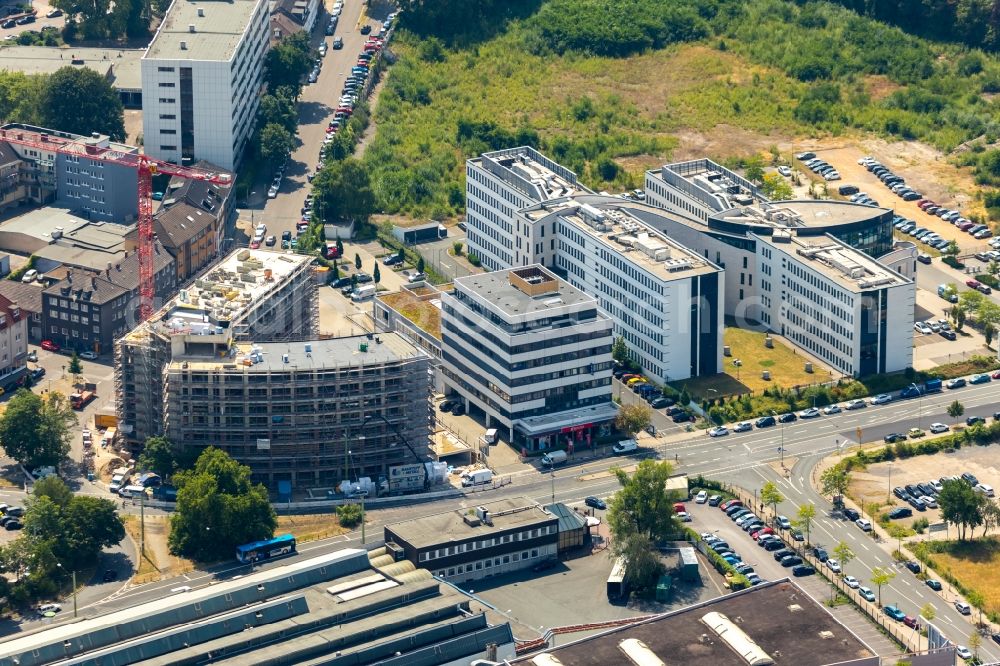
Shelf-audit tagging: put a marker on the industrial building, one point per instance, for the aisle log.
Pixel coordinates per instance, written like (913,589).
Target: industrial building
(491,539)
(533,353)
(350,606)
(250,295)
(202,77)
(772,623)
(234,361)
(120,67)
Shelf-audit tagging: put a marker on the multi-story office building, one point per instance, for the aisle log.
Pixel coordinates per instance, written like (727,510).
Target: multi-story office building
(313,413)
(202,77)
(470,544)
(88,310)
(666,301)
(837,303)
(84,181)
(531,352)
(499,184)
(251,295)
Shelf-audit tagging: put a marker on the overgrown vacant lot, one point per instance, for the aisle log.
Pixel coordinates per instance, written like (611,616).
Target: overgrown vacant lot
(723,78)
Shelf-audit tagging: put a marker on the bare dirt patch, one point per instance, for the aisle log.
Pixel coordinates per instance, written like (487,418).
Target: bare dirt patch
(156,562)
(879,87)
(726,141)
(310,527)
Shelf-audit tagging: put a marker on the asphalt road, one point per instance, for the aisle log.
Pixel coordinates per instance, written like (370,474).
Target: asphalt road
(316,108)
(743,459)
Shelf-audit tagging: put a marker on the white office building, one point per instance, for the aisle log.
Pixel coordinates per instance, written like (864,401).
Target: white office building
(837,303)
(202,77)
(533,354)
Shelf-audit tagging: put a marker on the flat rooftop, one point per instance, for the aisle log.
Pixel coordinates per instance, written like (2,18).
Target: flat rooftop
(226,291)
(524,291)
(122,63)
(800,213)
(353,351)
(612,222)
(779,617)
(710,184)
(850,268)
(438,528)
(532,173)
(41,223)
(218,29)
(67,140)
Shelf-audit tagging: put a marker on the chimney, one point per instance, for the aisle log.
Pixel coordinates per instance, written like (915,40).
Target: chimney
(191,27)
(93,282)
(69,277)
(118,267)
(107,271)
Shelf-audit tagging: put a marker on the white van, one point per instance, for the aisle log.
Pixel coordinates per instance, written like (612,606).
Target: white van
(624,446)
(363,293)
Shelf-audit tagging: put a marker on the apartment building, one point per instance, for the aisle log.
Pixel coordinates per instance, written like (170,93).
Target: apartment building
(533,353)
(289,17)
(86,181)
(471,544)
(202,77)
(837,303)
(251,295)
(13,342)
(87,310)
(313,413)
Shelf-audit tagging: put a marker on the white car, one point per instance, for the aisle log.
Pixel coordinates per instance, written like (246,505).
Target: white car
(29,275)
(921,327)
(856,404)
(743,426)
(719,431)
(929,502)
(852,582)
(867,593)
(883,398)
(833,565)
(701,497)
(784,171)
(832,409)
(963,652)
(938,428)
(684,516)
(260,229)
(89,355)
(272,192)
(49,608)
(864,524)
(984,489)
(784,523)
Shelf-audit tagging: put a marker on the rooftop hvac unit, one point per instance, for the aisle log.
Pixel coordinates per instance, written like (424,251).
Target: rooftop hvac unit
(857,272)
(674,265)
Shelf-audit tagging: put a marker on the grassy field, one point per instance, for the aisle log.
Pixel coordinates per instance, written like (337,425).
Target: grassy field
(976,566)
(787,368)
(310,527)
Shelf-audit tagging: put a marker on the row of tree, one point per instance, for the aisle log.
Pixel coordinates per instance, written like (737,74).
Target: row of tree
(287,63)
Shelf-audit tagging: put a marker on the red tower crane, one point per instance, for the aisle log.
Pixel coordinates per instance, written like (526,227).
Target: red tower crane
(146,166)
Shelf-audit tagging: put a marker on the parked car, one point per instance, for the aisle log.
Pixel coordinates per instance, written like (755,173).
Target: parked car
(595,502)
(48,345)
(894,612)
(866,594)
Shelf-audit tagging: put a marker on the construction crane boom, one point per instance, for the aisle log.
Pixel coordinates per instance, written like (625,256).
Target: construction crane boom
(146,166)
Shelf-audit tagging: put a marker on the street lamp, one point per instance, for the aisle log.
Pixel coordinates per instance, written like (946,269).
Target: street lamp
(361,438)
(59,564)
(781,449)
(888,491)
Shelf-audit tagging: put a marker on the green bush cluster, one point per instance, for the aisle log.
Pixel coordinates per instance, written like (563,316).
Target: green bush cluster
(781,400)
(737,580)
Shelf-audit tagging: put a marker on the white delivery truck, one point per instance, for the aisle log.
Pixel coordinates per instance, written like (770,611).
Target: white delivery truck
(554,458)
(625,446)
(363,292)
(477,477)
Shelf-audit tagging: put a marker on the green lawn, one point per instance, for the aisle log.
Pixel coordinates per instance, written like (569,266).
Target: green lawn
(787,368)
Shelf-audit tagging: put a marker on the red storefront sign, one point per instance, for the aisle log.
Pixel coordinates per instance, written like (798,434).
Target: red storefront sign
(576,428)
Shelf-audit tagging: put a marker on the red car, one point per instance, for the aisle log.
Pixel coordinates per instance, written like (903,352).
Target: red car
(911,622)
(344,109)
(48,345)
(996,375)
(974,284)
(758,534)
(254,244)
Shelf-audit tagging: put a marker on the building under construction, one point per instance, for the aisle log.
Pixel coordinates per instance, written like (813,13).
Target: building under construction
(235,361)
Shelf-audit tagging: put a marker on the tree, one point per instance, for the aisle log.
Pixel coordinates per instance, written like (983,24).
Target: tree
(805,517)
(960,505)
(975,642)
(376,274)
(55,489)
(753,168)
(340,248)
(835,480)
(287,62)
(43,520)
(75,367)
(344,191)
(991,516)
(952,248)
(956,409)
(880,578)
(457,248)
(218,508)
(844,554)
(632,418)
(640,516)
(776,188)
(357,261)
(349,515)
(771,496)
(619,350)
(276,143)
(279,109)
(81,101)
(35,431)
(90,524)
(420,264)
(158,456)
(975,597)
